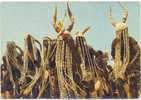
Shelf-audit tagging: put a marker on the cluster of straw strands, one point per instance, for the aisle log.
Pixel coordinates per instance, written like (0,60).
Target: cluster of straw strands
(53,70)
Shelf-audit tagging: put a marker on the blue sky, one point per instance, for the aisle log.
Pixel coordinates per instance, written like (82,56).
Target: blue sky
(36,18)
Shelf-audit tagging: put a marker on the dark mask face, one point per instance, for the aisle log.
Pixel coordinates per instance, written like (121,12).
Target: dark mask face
(124,20)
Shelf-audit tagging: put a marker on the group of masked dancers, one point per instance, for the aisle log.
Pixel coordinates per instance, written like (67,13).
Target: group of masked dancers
(68,67)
